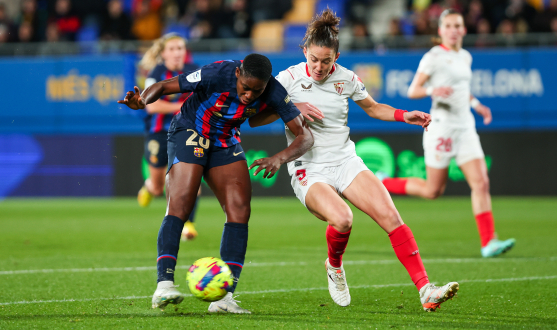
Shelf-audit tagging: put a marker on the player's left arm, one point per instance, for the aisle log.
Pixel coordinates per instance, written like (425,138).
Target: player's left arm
(301,144)
(481,109)
(387,113)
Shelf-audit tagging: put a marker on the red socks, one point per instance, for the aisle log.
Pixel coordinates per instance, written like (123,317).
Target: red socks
(406,250)
(336,243)
(486,227)
(395,185)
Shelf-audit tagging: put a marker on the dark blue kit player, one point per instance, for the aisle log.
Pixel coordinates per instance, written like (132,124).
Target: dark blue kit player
(203,141)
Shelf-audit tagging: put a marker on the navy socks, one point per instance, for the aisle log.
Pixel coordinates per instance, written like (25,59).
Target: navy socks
(168,244)
(233,248)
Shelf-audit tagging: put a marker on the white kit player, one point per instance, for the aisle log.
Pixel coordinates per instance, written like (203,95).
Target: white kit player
(445,74)
(331,170)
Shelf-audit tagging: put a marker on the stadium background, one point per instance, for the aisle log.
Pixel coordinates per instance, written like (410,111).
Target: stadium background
(65,63)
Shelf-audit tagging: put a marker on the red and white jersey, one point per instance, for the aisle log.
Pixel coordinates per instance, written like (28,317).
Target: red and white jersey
(448,68)
(332,142)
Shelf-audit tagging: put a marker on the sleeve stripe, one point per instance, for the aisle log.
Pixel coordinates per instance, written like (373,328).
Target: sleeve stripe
(290,74)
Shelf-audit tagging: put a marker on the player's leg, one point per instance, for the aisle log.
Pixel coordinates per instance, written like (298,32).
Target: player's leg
(323,201)
(368,194)
(189,232)
(182,185)
(438,152)
(232,187)
(475,172)
(432,187)
(156,156)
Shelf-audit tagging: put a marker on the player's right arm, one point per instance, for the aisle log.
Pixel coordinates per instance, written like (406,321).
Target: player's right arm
(134,100)
(417,89)
(184,83)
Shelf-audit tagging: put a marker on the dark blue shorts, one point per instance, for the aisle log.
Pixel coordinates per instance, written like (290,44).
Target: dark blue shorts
(187,146)
(155,149)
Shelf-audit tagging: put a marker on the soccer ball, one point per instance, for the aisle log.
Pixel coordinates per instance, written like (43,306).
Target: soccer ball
(208,278)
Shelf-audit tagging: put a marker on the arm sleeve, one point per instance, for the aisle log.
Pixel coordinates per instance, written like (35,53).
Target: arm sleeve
(281,103)
(285,78)
(427,64)
(360,91)
(192,81)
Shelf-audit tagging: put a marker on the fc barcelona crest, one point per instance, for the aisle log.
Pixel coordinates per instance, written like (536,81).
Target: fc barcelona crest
(198,152)
(339,87)
(250,112)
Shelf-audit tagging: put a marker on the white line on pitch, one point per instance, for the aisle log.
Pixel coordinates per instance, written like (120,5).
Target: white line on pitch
(367,286)
(275,264)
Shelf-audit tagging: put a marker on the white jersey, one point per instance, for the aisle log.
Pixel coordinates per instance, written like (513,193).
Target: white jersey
(332,142)
(447,68)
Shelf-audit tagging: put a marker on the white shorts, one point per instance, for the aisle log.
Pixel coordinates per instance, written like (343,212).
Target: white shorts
(442,143)
(338,176)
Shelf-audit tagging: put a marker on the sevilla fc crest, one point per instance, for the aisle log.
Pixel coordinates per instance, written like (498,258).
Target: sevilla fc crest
(198,152)
(339,87)
(302,177)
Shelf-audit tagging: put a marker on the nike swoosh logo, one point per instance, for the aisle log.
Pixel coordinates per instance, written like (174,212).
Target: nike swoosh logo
(221,106)
(236,154)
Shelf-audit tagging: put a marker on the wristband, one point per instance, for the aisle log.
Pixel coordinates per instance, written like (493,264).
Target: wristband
(399,115)
(429,91)
(474,103)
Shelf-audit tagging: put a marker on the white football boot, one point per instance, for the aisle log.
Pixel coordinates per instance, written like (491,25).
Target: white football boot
(338,288)
(433,296)
(165,294)
(227,305)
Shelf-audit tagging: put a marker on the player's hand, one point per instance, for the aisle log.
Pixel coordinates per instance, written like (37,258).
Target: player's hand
(133,100)
(270,164)
(309,110)
(417,118)
(442,92)
(485,112)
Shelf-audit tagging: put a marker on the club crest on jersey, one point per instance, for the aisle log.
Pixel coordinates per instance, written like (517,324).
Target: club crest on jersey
(302,177)
(198,152)
(250,112)
(307,88)
(339,87)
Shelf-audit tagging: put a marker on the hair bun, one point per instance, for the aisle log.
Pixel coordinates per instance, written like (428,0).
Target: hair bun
(323,30)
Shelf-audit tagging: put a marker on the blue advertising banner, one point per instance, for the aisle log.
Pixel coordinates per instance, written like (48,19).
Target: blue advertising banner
(66,95)
(77,95)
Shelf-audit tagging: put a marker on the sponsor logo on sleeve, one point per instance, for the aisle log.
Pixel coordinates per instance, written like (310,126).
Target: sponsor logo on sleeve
(194,76)
(287,99)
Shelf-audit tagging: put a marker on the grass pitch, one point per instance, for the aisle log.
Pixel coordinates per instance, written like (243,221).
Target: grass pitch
(90,263)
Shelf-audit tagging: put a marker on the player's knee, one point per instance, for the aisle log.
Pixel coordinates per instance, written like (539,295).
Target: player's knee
(481,185)
(342,219)
(238,213)
(434,193)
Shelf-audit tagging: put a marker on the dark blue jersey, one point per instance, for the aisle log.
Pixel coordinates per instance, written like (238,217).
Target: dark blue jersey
(159,122)
(214,109)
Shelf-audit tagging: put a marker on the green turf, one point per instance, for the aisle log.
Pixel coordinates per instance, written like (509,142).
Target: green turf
(42,234)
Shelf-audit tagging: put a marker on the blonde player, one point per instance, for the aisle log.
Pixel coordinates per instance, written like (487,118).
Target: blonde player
(444,74)
(331,170)
(164,60)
